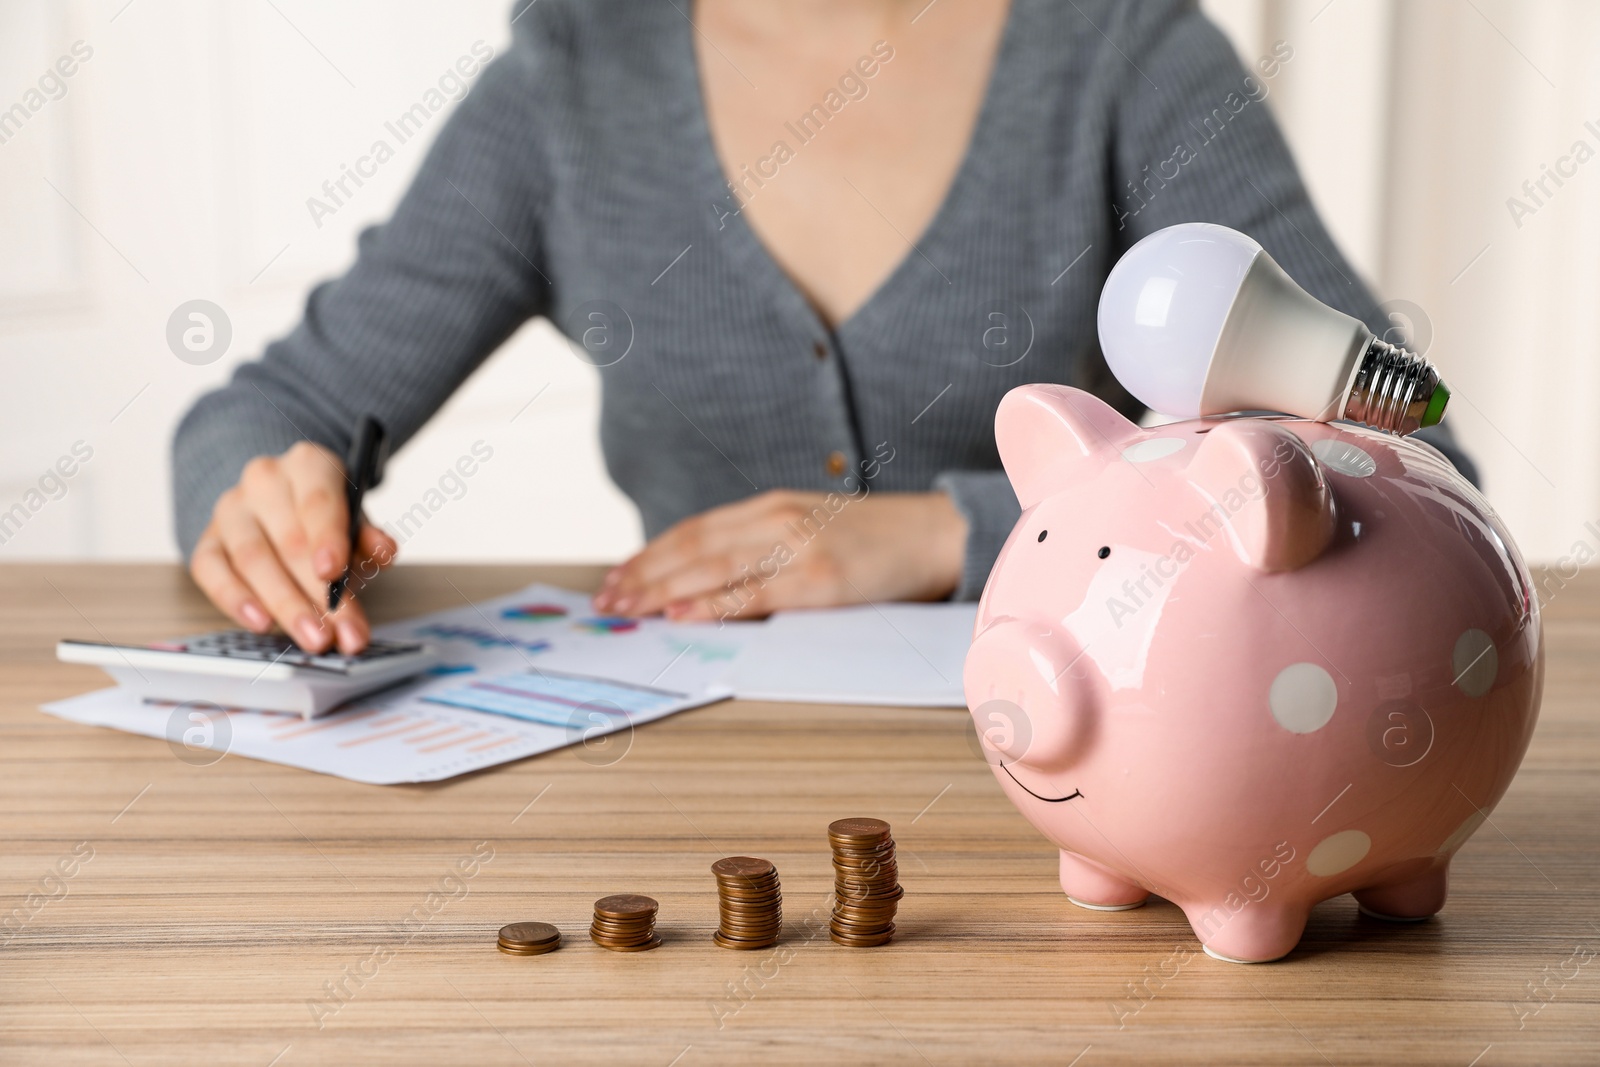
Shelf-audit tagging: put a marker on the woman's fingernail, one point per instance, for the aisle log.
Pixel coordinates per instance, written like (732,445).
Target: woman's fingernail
(324,562)
(254,616)
(350,640)
(310,632)
(623,605)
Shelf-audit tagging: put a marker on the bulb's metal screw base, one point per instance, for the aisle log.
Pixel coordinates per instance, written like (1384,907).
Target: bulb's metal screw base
(1395,391)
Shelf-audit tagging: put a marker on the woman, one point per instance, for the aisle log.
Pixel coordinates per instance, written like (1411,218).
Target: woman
(809,245)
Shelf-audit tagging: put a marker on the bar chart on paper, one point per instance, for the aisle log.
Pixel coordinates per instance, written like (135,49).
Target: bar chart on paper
(384,741)
(497,698)
(558,699)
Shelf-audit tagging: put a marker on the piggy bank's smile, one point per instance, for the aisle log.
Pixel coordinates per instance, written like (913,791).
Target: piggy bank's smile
(1074,795)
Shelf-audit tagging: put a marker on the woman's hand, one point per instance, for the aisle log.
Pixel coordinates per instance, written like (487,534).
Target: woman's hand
(784,549)
(277,539)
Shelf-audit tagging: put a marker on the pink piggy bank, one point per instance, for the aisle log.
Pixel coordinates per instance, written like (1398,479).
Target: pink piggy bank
(1249,664)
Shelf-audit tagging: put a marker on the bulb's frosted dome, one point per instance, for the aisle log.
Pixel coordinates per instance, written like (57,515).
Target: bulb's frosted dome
(1163,307)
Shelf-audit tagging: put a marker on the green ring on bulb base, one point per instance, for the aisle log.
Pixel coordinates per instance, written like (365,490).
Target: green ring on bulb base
(1436,404)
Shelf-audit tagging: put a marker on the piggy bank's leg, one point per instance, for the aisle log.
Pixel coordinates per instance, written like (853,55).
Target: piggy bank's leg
(1090,885)
(1409,901)
(1256,933)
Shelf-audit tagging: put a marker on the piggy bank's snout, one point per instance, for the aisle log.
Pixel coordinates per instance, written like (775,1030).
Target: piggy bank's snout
(1024,682)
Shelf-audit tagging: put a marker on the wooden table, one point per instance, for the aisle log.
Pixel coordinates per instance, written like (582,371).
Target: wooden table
(229,910)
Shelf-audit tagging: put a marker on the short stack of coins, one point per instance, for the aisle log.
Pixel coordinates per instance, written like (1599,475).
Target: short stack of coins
(529,939)
(866,890)
(625,922)
(750,902)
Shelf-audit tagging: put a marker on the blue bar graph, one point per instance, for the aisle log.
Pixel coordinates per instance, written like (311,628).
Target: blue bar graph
(556,699)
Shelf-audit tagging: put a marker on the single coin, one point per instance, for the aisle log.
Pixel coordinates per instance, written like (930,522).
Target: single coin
(529,934)
(538,950)
(625,905)
(734,943)
(654,942)
(856,899)
(604,934)
(852,890)
(864,917)
(742,867)
(874,843)
(645,919)
(861,942)
(621,929)
(860,860)
(857,828)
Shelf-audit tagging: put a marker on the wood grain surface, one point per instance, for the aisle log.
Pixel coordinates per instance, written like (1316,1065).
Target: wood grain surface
(246,913)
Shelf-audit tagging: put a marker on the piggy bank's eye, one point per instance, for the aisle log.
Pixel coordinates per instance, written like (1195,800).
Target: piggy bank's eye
(1105,550)
(1043,534)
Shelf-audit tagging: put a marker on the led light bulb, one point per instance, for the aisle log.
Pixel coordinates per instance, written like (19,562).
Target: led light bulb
(1197,319)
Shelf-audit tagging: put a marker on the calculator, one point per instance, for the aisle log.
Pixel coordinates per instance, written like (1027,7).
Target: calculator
(236,668)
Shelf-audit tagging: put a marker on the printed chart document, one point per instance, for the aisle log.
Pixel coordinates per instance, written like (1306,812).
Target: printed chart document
(521,674)
(538,670)
(909,655)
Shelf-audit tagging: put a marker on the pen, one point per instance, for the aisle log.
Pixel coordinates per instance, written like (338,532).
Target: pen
(363,470)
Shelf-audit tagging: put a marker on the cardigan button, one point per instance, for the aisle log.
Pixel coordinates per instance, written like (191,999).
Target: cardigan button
(819,349)
(836,464)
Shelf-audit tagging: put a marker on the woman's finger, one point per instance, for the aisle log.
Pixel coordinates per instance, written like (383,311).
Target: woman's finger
(211,572)
(376,545)
(756,523)
(269,496)
(352,632)
(705,576)
(252,557)
(317,486)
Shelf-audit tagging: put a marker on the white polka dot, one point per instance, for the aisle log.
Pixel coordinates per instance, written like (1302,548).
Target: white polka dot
(1152,448)
(1303,697)
(1344,457)
(1474,663)
(1338,853)
(1462,832)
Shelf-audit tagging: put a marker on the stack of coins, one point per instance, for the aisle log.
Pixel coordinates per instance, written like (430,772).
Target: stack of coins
(751,903)
(625,922)
(865,885)
(529,939)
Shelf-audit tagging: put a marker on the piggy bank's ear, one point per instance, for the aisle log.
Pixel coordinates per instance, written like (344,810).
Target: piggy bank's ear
(1267,489)
(1043,431)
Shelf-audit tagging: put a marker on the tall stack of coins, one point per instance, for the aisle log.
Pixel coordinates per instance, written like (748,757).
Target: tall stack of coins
(625,922)
(865,882)
(529,939)
(750,901)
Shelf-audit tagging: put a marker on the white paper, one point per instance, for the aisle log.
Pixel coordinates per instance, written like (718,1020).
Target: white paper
(909,655)
(491,654)
(405,735)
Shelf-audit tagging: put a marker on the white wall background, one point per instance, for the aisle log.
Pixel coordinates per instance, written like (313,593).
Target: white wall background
(178,161)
